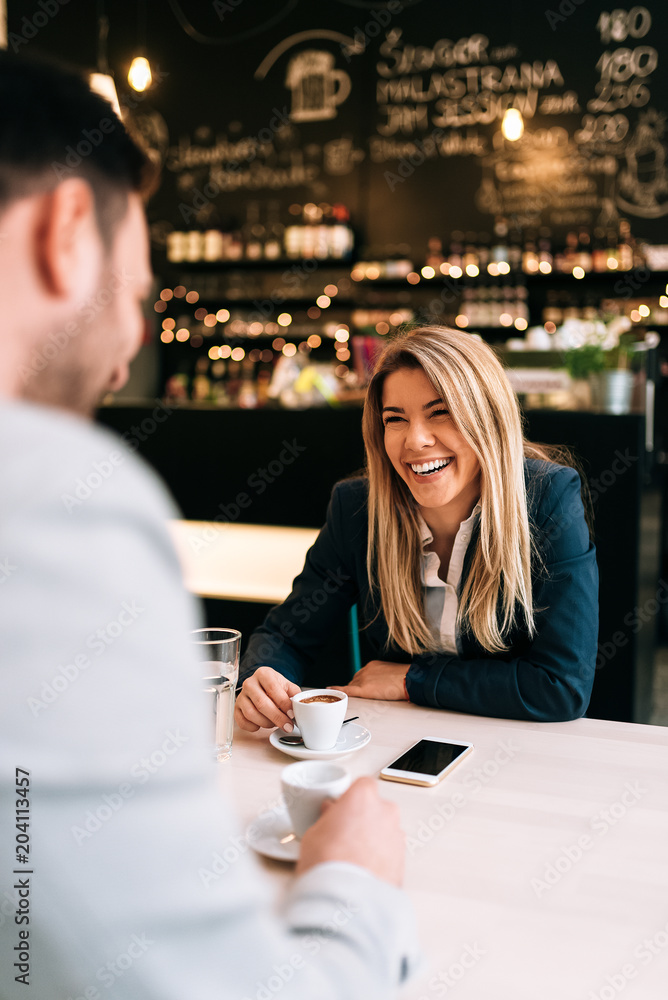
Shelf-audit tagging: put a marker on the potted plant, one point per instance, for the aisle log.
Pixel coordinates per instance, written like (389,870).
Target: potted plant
(600,354)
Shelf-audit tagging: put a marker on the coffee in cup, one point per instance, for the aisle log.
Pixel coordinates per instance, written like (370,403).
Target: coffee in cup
(319,715)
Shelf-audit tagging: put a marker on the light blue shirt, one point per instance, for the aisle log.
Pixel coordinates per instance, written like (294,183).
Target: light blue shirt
(100,706)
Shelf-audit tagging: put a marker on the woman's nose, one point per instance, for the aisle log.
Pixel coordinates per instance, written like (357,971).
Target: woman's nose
(419,435)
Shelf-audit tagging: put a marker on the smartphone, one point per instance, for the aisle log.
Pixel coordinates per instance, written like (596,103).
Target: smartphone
(426,762)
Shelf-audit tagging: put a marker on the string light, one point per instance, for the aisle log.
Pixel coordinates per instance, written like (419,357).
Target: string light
(140,77)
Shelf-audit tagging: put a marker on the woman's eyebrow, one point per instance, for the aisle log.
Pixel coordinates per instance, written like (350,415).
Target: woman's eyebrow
(399,409)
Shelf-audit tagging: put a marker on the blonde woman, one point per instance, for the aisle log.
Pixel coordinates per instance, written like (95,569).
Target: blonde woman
(465,548)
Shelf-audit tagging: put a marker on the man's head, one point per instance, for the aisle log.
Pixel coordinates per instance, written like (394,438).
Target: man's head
(74,262)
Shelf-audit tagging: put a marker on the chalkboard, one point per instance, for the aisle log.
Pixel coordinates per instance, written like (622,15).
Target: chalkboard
(393,109)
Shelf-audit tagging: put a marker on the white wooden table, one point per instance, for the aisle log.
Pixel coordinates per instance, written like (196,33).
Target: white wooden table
(240,562)
(538,868)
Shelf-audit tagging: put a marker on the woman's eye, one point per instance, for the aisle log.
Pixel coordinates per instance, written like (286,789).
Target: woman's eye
(440,413)
(392,420)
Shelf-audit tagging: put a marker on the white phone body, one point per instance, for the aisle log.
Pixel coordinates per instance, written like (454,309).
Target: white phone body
(427,761)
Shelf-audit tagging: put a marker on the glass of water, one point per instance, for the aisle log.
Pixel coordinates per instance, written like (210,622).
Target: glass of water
(217,650)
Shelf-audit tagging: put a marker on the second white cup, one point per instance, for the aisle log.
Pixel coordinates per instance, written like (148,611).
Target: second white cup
(306,785)
(319,713)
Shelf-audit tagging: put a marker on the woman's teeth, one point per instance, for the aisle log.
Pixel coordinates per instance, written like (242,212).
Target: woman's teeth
(428,467)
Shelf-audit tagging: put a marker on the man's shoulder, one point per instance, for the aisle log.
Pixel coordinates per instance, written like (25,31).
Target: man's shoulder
(48,454)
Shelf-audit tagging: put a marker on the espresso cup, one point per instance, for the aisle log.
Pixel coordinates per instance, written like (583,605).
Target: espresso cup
(306,785)
(319,714)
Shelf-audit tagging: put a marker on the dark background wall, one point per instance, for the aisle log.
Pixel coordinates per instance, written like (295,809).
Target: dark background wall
(409,97)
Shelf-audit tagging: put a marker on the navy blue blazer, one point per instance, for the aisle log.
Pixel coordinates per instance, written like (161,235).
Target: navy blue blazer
(547,679)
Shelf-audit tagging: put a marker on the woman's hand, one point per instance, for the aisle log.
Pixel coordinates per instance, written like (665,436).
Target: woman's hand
(378,679)
(264,701)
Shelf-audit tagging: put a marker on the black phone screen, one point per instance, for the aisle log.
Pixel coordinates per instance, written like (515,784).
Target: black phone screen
(428,757)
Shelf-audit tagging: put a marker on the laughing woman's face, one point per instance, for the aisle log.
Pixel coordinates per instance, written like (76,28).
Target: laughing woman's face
(424,446)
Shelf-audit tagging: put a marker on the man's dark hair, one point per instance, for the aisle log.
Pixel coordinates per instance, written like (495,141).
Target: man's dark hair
(52,127)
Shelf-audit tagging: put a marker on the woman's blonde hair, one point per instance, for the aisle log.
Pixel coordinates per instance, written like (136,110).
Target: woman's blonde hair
(466,373)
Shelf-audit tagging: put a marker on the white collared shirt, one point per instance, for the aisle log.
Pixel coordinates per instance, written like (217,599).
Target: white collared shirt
(441,599)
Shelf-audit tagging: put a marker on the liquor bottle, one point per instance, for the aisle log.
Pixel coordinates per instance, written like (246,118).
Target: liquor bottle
(584,255)
(569,260)
(470,258)
(194,246)
(495,305)
(213,245)
(467,307)
(475,313)
(625,246)
(530,257)
(552,312)
(253,232)
(456,250)
(484,313)
(545,258)
(201,386)
(483,252)
(515,249)
(521,307)
(177,243)
(509,306)
(500,250)
(599,253)
(273,248)
(218,390)
(341,235)
(434,256)
(612,256)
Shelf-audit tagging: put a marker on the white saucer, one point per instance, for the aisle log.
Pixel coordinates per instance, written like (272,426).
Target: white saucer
(271,834)
(352,737)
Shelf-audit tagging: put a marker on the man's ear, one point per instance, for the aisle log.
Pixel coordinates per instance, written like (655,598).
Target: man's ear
(68,242)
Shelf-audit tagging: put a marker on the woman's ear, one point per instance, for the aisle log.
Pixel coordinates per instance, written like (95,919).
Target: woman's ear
(68,242)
